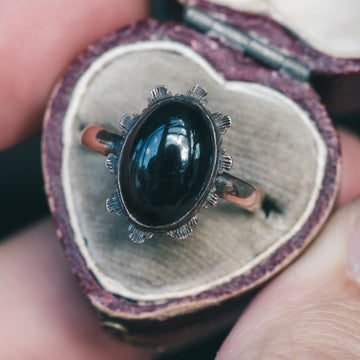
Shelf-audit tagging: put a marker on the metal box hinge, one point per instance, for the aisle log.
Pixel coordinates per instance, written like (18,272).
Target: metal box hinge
(247,44)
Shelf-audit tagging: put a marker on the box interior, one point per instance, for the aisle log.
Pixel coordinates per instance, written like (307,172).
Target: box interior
(273,142)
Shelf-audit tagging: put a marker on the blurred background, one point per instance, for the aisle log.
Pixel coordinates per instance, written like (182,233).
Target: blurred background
(22,198)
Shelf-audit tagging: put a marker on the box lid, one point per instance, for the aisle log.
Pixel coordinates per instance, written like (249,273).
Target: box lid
(304,38)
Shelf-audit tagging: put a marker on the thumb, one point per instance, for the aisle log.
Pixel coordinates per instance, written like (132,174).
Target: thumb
(312,310)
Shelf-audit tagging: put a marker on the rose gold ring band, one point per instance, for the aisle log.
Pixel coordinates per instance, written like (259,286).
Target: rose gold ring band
(228,187)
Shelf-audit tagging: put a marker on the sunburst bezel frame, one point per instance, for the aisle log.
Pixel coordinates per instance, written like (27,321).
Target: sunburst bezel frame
(184,226)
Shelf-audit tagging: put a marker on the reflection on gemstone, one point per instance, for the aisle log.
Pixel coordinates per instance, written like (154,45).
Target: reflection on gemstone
(167,162)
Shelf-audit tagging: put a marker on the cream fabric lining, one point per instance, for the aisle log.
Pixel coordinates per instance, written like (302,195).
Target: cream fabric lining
(273,143)
(330,26)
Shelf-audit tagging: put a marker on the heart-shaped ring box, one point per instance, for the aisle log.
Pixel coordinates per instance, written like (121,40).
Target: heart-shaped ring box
(168,292)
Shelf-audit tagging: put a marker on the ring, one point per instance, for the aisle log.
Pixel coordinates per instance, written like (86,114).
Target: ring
(169,163)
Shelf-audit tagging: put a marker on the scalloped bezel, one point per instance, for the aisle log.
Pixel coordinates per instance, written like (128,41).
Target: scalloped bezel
(217,123)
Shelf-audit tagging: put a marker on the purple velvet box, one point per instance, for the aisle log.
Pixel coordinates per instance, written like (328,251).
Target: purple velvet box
(278,91)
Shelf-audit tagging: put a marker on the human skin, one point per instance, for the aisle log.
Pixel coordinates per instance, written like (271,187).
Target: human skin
(310,311)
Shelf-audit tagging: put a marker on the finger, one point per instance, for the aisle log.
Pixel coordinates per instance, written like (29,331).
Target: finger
(312,310)
(43,313)
(350,183)
(38,39)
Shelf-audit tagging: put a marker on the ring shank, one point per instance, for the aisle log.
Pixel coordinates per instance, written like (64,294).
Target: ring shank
(239,192)
(228,187)
(101,140)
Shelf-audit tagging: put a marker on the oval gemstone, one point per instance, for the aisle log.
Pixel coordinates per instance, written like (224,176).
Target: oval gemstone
(167,163)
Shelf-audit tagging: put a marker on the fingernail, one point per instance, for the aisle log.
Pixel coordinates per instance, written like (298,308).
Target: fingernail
(353,265)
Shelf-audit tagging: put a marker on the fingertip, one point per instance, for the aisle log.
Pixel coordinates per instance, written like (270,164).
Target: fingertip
(350,181)
(39,293)
(41,39)
(310,304)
